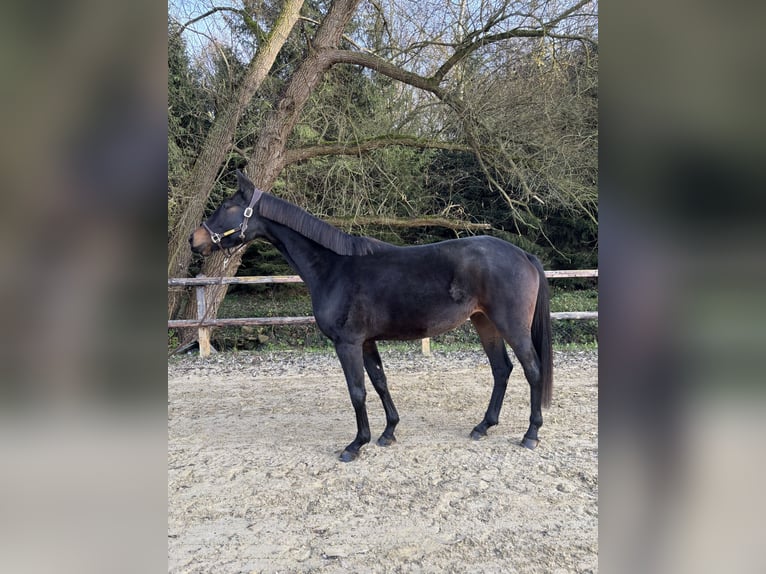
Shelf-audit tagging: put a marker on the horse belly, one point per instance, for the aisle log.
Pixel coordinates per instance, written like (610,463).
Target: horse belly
(426,295)
(426,320)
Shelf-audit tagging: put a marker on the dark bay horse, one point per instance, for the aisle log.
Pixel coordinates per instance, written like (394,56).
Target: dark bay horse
(364,290)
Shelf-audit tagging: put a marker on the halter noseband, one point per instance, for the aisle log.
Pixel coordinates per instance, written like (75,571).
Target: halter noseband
(242,227)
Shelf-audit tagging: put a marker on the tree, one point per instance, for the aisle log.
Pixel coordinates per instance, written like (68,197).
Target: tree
(199,182)
(423,71)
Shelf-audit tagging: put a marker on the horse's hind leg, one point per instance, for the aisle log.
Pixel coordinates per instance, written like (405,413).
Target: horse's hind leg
(525,352)
(520,340)
(374,368)
(522,346)
(494,346)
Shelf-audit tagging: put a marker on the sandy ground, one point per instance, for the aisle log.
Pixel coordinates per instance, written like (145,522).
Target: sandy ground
(254,483)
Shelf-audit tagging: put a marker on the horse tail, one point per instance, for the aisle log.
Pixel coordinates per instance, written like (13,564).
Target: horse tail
(542,337)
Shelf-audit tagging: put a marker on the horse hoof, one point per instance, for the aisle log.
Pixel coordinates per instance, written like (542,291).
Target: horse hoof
(530,443)
(348,456)
(477,434)
(385,441)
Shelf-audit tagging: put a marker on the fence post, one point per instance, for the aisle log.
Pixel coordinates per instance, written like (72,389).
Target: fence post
(425,345)
(203,333)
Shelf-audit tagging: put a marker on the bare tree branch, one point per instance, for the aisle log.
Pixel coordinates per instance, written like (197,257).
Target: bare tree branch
(432,83)
(356,148)
(345,36)
(407,222)
(337,56)
(473,43)
(205,15)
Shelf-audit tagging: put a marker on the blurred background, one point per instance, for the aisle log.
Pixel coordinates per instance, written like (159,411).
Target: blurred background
(681,232)
(681,330)
(82,384)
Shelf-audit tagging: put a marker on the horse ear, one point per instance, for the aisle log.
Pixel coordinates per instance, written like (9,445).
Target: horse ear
(251,193)
(245,185)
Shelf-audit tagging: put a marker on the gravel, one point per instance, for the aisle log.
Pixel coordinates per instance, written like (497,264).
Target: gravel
(255,484)
(297,362)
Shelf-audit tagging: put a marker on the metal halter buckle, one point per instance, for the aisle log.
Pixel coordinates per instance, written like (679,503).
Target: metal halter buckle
(214,237)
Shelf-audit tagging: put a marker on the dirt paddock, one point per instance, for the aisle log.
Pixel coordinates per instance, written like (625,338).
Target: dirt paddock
(255,485)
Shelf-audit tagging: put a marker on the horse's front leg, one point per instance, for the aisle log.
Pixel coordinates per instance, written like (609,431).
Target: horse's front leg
(351,360)
(374,367)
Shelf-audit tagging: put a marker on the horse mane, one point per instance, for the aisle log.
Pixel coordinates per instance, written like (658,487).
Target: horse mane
(321,232)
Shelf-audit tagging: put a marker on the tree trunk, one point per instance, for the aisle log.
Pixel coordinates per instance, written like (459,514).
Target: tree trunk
(199,183)
(268,158)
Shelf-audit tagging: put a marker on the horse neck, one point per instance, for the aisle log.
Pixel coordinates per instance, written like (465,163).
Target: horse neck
(310,260)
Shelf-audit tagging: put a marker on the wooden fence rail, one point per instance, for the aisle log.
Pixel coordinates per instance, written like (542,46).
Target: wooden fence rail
(204,324)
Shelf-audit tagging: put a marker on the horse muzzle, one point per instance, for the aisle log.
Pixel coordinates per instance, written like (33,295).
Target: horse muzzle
(201,242)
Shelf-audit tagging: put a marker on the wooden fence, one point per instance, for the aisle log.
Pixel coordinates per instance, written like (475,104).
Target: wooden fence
(203,323)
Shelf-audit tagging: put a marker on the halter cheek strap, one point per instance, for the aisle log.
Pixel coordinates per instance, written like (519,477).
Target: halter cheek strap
(245,218)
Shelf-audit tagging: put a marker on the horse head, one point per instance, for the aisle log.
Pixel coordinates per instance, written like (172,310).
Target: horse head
(231,225)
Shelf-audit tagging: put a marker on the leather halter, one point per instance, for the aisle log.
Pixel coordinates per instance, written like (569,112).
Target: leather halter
(242,227)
